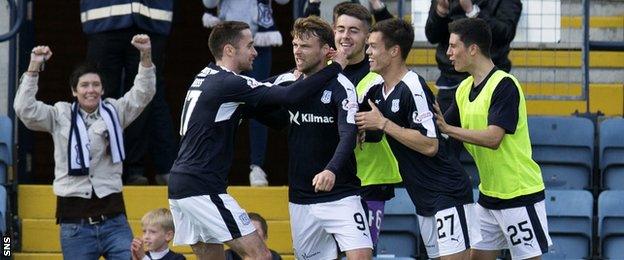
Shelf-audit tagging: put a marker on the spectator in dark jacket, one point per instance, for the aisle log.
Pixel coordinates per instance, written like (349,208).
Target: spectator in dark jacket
(501,15)
(109,25)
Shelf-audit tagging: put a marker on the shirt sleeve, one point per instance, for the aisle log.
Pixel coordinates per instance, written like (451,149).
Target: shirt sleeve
(35,114)
(503,110)
(297,92)
(345,102)
(274,116)
(130,106)
(420,112)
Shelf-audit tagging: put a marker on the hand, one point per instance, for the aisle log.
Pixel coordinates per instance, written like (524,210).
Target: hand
(376,4)
(40,54)
(210,20)
(442,125)
(370,120)
(466,5)
(324,181)
(339,56)
(297,73)
(136,249)
(442,8)
(142,42)
(361,137)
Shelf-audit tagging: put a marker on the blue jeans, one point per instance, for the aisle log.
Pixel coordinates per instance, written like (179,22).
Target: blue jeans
(110,239)
(257,131)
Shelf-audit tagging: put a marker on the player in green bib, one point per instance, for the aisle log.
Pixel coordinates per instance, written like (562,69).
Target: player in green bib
(377,167)
(489,117)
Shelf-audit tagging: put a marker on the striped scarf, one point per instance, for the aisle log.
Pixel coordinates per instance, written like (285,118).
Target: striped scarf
(78,157)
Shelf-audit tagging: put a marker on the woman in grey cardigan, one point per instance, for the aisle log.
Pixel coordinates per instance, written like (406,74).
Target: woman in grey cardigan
(88,152)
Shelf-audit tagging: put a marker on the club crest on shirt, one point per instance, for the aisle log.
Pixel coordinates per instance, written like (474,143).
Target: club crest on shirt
(395,105)
(326,98)
(244,218)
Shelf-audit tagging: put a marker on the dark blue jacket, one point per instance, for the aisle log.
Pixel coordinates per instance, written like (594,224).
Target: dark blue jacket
(107,15)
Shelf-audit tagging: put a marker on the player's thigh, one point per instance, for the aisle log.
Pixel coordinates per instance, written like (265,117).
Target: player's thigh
(359,254)
(251,246)
(208,251)
(346,220)
(310,240)
(525,229)
(477,254)
(209,219)
(450,232)
(492,236)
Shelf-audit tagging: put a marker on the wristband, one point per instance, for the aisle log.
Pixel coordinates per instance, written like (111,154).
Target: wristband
(475,11)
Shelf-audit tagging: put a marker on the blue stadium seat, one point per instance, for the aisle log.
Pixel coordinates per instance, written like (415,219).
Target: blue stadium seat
(564,149)
(470,167)
(612,153)
(569,214)
(400,235)
(6,146)
(611,223)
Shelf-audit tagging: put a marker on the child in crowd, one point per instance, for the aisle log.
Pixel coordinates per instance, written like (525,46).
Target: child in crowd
(158,230)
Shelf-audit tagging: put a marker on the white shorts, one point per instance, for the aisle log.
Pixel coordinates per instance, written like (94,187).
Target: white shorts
(210,219)
(317,227)
(523,230)
(450,231)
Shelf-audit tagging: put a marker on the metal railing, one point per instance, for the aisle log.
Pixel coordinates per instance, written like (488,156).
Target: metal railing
(16,17)
(17,13)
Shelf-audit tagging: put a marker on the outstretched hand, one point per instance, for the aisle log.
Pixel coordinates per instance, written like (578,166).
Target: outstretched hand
(440,122)
(142,42)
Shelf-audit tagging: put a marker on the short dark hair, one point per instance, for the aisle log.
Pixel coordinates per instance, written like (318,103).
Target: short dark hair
(263,223)
(396,32)
(313,26)
(228,32)
(82,69)
(473,31)
(354,10)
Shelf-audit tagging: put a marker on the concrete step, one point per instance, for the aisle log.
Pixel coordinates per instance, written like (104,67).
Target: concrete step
(544,75)
(556,98)
(558,58)
(34,229)
(568,7)
(37,204)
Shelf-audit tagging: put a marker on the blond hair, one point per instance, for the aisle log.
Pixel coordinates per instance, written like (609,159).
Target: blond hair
(159,217)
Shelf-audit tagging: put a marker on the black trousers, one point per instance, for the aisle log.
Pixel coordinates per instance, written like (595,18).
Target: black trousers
(118,61)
